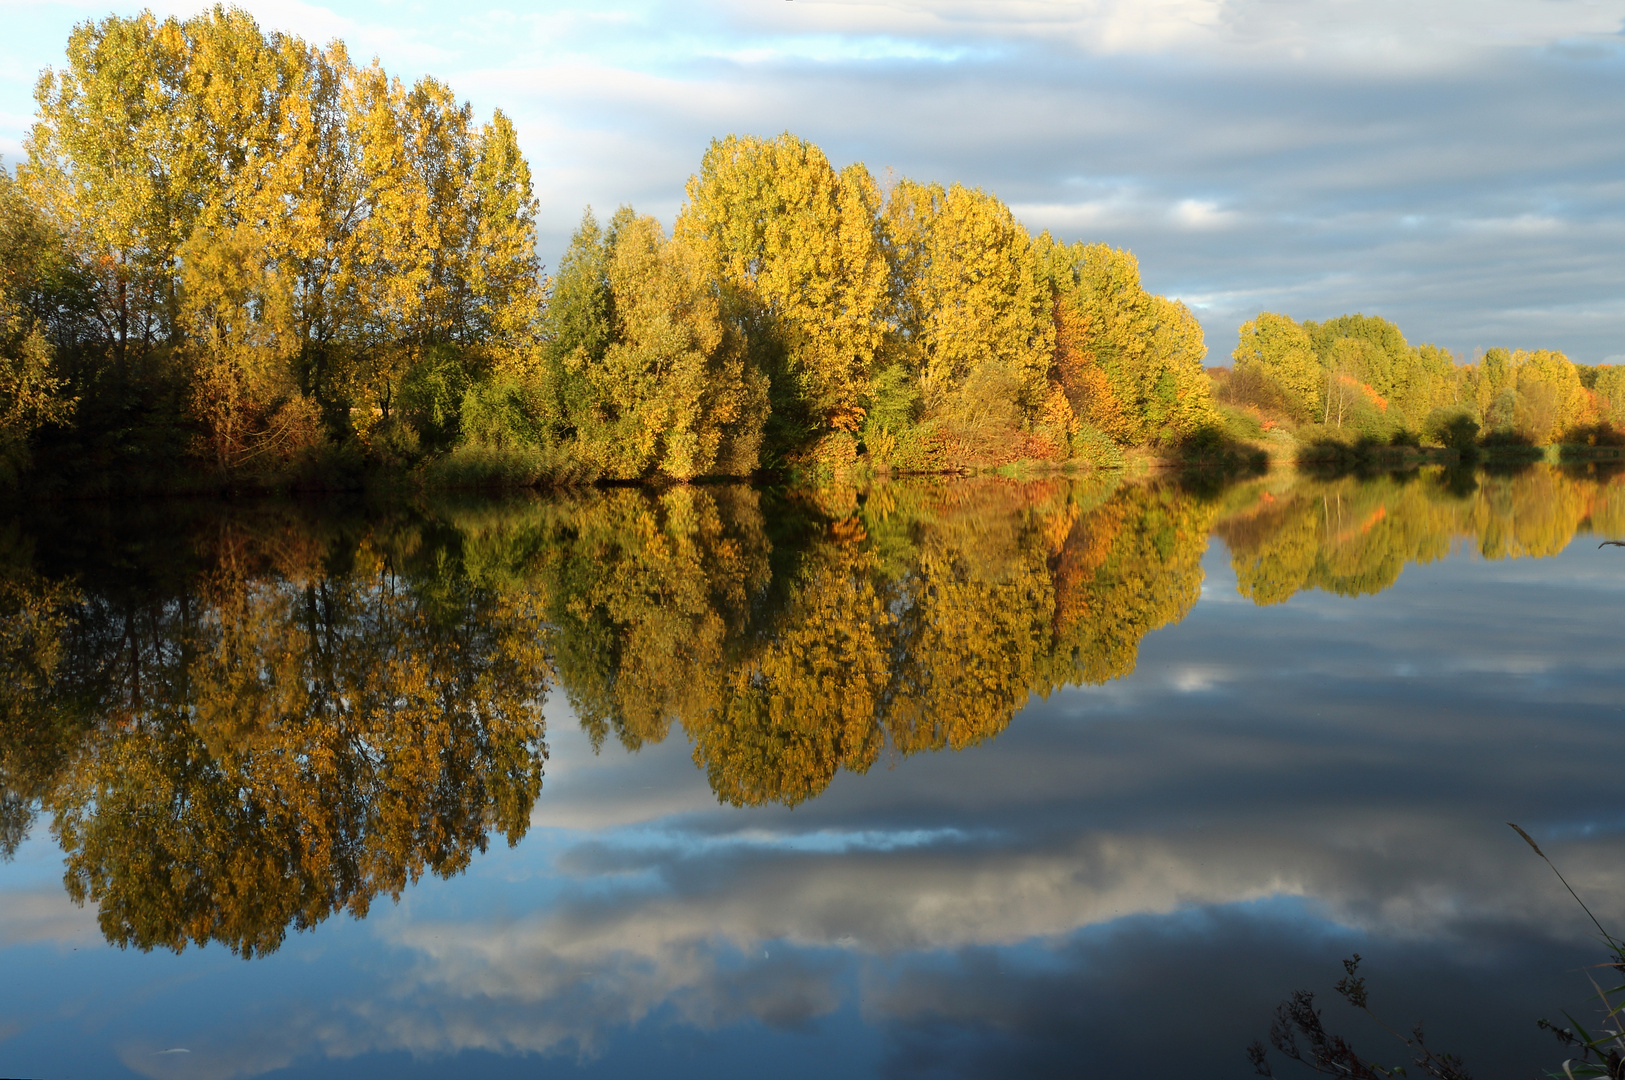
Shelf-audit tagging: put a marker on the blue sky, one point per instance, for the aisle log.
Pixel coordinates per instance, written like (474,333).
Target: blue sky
(1454,165)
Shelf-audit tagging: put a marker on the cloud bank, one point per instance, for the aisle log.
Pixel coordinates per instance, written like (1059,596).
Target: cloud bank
(1453,165)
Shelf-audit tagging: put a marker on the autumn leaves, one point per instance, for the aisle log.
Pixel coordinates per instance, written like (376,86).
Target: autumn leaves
(266,241)
(274,254)
(918,328)
(1356,374)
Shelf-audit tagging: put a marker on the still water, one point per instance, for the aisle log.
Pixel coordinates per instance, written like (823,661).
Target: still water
(971,778)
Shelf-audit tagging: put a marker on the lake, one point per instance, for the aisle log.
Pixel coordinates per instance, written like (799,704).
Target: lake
(972,777)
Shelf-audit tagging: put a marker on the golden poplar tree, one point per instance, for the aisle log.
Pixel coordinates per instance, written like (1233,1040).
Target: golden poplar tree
(505,280)
(37,280)
(109,158)
(971,305)
(796,246)
(308,204)
(672,388)
(236,312)
(1550,399)
(151,128)
(1132,361)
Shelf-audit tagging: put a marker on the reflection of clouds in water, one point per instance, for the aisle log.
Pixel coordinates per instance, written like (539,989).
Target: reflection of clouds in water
(1378,822)
(1275,803)
(249,1052)
(1196,678)
(45,915)
(712,938)
(1181,997)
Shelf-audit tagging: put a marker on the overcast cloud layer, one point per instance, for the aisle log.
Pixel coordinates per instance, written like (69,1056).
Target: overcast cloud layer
(1455,166)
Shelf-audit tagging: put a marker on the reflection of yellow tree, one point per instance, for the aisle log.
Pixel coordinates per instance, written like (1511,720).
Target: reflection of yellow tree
(274,750)
(1128,567)
(925,616)
(646,592)
(37,730)
(1354,537)
(976,614)
(1532,514)
(972,643)
(805,699)
(323,714)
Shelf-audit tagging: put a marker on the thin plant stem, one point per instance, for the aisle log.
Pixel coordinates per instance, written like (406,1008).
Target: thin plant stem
(1606,936)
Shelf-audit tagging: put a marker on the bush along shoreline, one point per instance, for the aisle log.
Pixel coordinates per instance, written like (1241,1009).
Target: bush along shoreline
(1353,389)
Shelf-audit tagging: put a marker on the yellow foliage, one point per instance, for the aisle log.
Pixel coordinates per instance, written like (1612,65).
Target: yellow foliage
(1131,361)
(794,242)
(970,293)
(1280,349)
(1354,537)
(1550,397)
(237,312)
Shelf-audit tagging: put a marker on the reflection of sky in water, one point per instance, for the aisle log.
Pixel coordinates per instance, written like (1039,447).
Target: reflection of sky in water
(1124,882)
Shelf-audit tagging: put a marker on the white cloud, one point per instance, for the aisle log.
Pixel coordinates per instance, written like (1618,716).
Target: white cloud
(1451,164)
(45,914)
(1201,214)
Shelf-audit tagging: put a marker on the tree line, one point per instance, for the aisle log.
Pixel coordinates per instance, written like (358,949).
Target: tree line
(1356,376)
(228,247)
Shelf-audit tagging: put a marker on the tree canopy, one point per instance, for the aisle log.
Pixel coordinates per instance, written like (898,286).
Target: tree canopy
(230,248)
(1357,373)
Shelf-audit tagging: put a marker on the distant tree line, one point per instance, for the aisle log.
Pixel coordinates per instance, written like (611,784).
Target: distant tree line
(228,247)
(1357,376)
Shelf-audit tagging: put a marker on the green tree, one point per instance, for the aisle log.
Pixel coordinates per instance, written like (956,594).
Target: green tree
(1283,353)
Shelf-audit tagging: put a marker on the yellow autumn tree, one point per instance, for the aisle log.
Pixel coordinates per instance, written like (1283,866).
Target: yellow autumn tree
(150,128)
(1134,360)
(37,280)
(1550,399)
(644,374)
(972,311)
(675,380)
(402,232)
(1280,351)
(309,204)
(236,311)
(795,246)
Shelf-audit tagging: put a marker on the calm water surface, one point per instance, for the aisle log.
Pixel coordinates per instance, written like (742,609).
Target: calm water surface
(940,779)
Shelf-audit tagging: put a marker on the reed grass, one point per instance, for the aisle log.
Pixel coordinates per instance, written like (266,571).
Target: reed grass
(1298,1032)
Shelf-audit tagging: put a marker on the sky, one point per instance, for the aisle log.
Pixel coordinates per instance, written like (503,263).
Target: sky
(1455,165)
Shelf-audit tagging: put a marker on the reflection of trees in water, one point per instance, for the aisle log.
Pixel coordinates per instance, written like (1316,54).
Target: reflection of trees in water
(276,742)
(250,724)
(1354,536)
(36,732)
(924,615)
